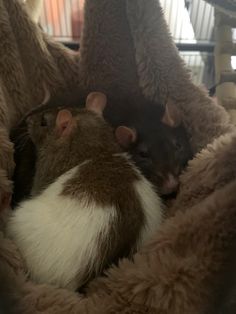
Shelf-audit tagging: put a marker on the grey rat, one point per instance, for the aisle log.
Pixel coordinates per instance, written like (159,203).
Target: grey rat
(90,205)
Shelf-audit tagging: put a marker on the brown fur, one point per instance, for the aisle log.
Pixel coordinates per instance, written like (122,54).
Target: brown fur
(225,300)
(176,273)
(152,134)
(29,61)
(114,60)
(106,179)
(182,264)
(163,75)
(56,156)
(11,266)
(211,169)
(109,180)
(160,70)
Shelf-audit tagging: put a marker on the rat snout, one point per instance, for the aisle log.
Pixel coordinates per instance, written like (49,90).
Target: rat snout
(170,185)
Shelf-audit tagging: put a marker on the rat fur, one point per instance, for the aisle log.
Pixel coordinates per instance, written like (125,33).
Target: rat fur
(161,148)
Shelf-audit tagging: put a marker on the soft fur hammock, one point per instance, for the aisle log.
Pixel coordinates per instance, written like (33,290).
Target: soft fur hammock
(126,49)
(227,7)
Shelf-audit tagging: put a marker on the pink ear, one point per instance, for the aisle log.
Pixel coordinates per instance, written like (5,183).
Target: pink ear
(96,102)
(171,116)
(125,136)
(64,122)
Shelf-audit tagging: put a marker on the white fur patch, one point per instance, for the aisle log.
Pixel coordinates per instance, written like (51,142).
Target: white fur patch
(58,236)
(152,207)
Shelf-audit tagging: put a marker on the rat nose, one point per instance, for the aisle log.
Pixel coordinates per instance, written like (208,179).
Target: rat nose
(170,185)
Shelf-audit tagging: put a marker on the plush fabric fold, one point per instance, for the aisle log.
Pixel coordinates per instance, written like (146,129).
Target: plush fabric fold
(129,50)
(30,63)
(227,6)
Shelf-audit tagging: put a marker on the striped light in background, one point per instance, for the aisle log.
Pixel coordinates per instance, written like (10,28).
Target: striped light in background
(63,19)
(190,21)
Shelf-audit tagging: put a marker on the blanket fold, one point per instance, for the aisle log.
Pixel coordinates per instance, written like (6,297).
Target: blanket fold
(135,55)
(31,65)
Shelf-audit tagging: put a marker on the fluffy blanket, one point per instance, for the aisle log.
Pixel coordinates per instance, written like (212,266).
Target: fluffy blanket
(126,50)
(30,65)
(227,6)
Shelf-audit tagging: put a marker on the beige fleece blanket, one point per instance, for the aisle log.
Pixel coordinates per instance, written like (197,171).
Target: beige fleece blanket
(31,65)
(126,49)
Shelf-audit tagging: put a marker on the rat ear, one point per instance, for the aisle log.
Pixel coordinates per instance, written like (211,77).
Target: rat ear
(64,122)
(125,136)
(171,115)
(96,102)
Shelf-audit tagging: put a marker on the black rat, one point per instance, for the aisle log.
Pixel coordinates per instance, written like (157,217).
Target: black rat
(156,139)
(90,205)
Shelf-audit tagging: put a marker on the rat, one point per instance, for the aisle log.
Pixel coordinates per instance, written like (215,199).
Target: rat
(155,137)
(89,204)
(152,134)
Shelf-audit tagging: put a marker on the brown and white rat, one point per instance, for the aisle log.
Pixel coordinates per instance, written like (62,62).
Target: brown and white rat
(90,204)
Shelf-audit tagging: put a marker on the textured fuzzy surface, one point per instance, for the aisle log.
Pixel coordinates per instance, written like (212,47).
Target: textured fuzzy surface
(29,62)
(127,50)
(128,33)
(227,6)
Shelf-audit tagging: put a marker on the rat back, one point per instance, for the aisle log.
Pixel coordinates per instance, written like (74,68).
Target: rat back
(94,214)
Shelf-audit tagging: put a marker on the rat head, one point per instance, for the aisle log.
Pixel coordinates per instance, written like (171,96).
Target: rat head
(160,148)
(62,124)
(65,137)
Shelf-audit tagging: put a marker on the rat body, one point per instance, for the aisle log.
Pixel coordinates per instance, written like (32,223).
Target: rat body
(90,204)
